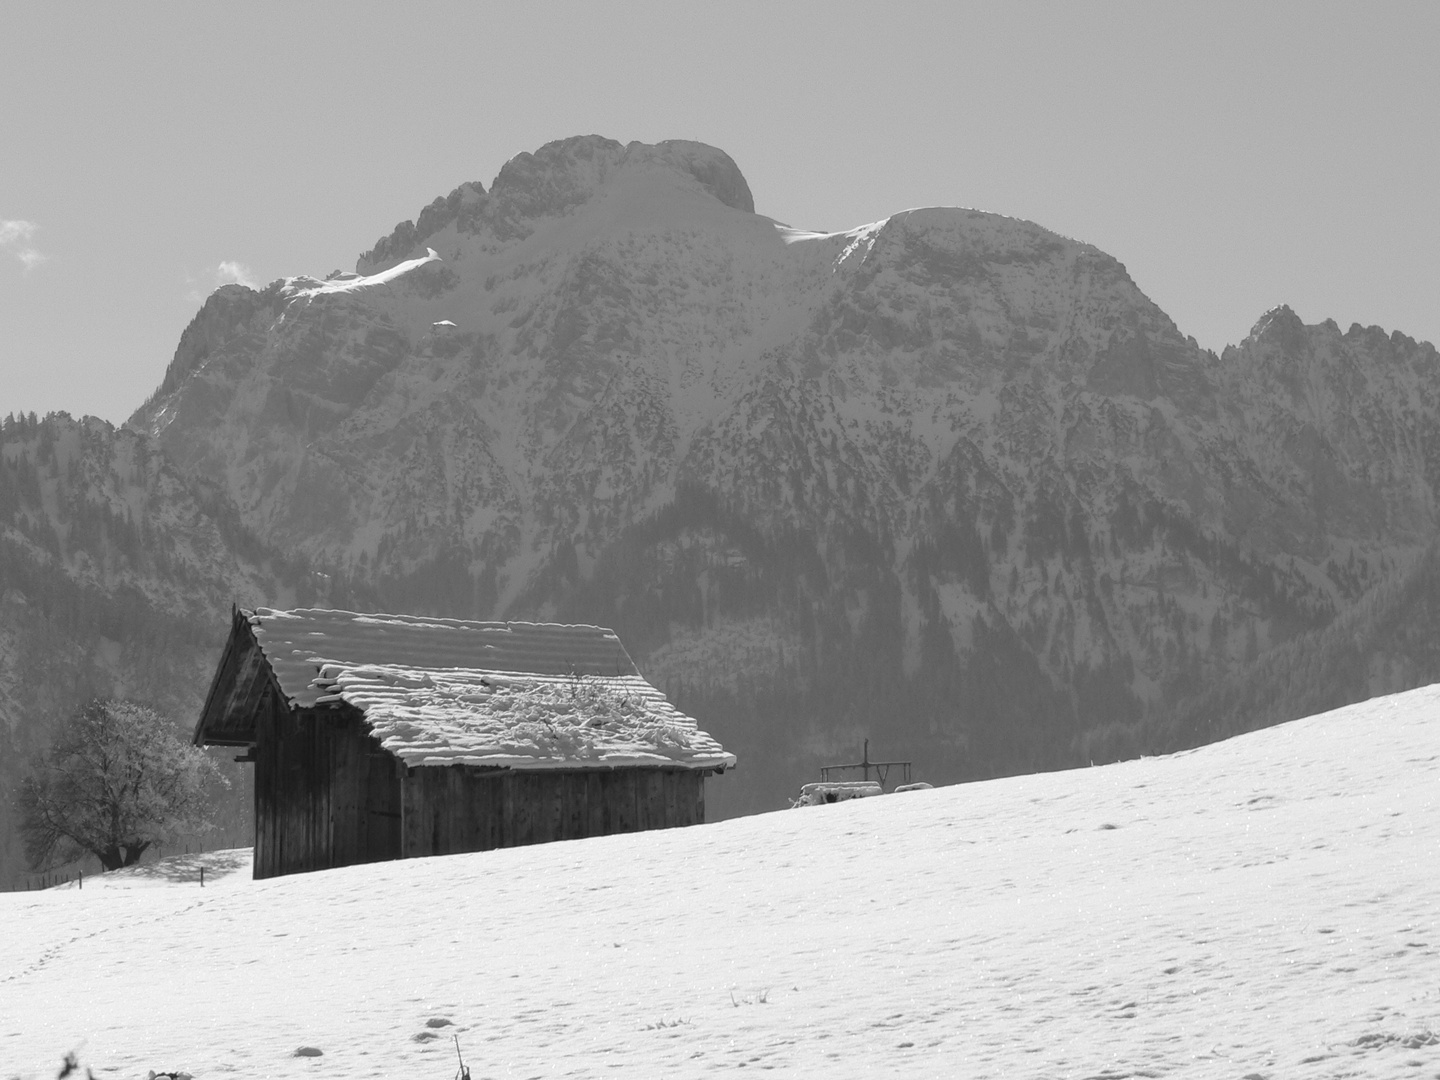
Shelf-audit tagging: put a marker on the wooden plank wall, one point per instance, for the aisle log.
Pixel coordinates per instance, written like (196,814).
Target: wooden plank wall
(267,774)
(325,793)
(460,808)
(379,821)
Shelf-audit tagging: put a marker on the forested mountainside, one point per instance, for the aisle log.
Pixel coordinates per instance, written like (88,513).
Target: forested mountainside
(116,579)
(1387,641)
(949,481)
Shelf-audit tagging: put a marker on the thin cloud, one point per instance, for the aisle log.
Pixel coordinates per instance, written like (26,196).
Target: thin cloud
(231,272)
(15,239)
(227,272)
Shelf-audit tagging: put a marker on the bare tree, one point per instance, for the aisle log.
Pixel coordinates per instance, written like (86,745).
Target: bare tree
(117,778)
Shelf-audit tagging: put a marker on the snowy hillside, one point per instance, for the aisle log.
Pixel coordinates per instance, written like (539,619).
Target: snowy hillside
(1264,907)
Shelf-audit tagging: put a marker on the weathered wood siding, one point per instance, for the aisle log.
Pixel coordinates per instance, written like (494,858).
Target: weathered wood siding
(463,808)
(326,794)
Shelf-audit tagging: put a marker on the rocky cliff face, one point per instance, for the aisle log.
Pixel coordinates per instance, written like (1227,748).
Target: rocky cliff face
(948,480)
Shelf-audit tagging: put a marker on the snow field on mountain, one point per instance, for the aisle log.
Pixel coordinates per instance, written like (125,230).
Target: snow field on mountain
(1264,907)
(309,287)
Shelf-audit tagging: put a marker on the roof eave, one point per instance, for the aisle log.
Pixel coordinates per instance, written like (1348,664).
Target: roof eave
(226,657)
(243,673)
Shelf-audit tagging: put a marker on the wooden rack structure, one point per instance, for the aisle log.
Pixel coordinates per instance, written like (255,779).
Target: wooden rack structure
(882,768)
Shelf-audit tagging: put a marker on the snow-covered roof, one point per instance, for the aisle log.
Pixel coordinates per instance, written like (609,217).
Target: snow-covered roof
(454,691)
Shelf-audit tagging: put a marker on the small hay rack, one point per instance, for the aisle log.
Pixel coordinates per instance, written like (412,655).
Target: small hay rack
(882,769)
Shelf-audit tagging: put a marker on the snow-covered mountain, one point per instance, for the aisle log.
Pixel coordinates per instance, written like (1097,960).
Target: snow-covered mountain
(948,480)
(945,477)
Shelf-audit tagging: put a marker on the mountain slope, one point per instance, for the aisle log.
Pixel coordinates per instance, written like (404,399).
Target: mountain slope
(949,479)
(116,580)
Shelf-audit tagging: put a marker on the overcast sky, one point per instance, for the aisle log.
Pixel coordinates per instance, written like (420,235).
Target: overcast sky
(1233,156)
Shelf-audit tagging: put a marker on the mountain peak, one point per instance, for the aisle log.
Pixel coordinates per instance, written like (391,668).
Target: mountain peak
(554,180)
(1279,319)
(715,169)
(569,170)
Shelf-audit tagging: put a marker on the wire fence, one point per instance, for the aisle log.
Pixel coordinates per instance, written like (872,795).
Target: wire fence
(215,840)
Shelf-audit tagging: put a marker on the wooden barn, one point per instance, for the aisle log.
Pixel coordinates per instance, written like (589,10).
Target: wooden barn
(388,736)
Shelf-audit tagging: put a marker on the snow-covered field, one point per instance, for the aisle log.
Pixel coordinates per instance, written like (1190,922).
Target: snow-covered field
(1265,907)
